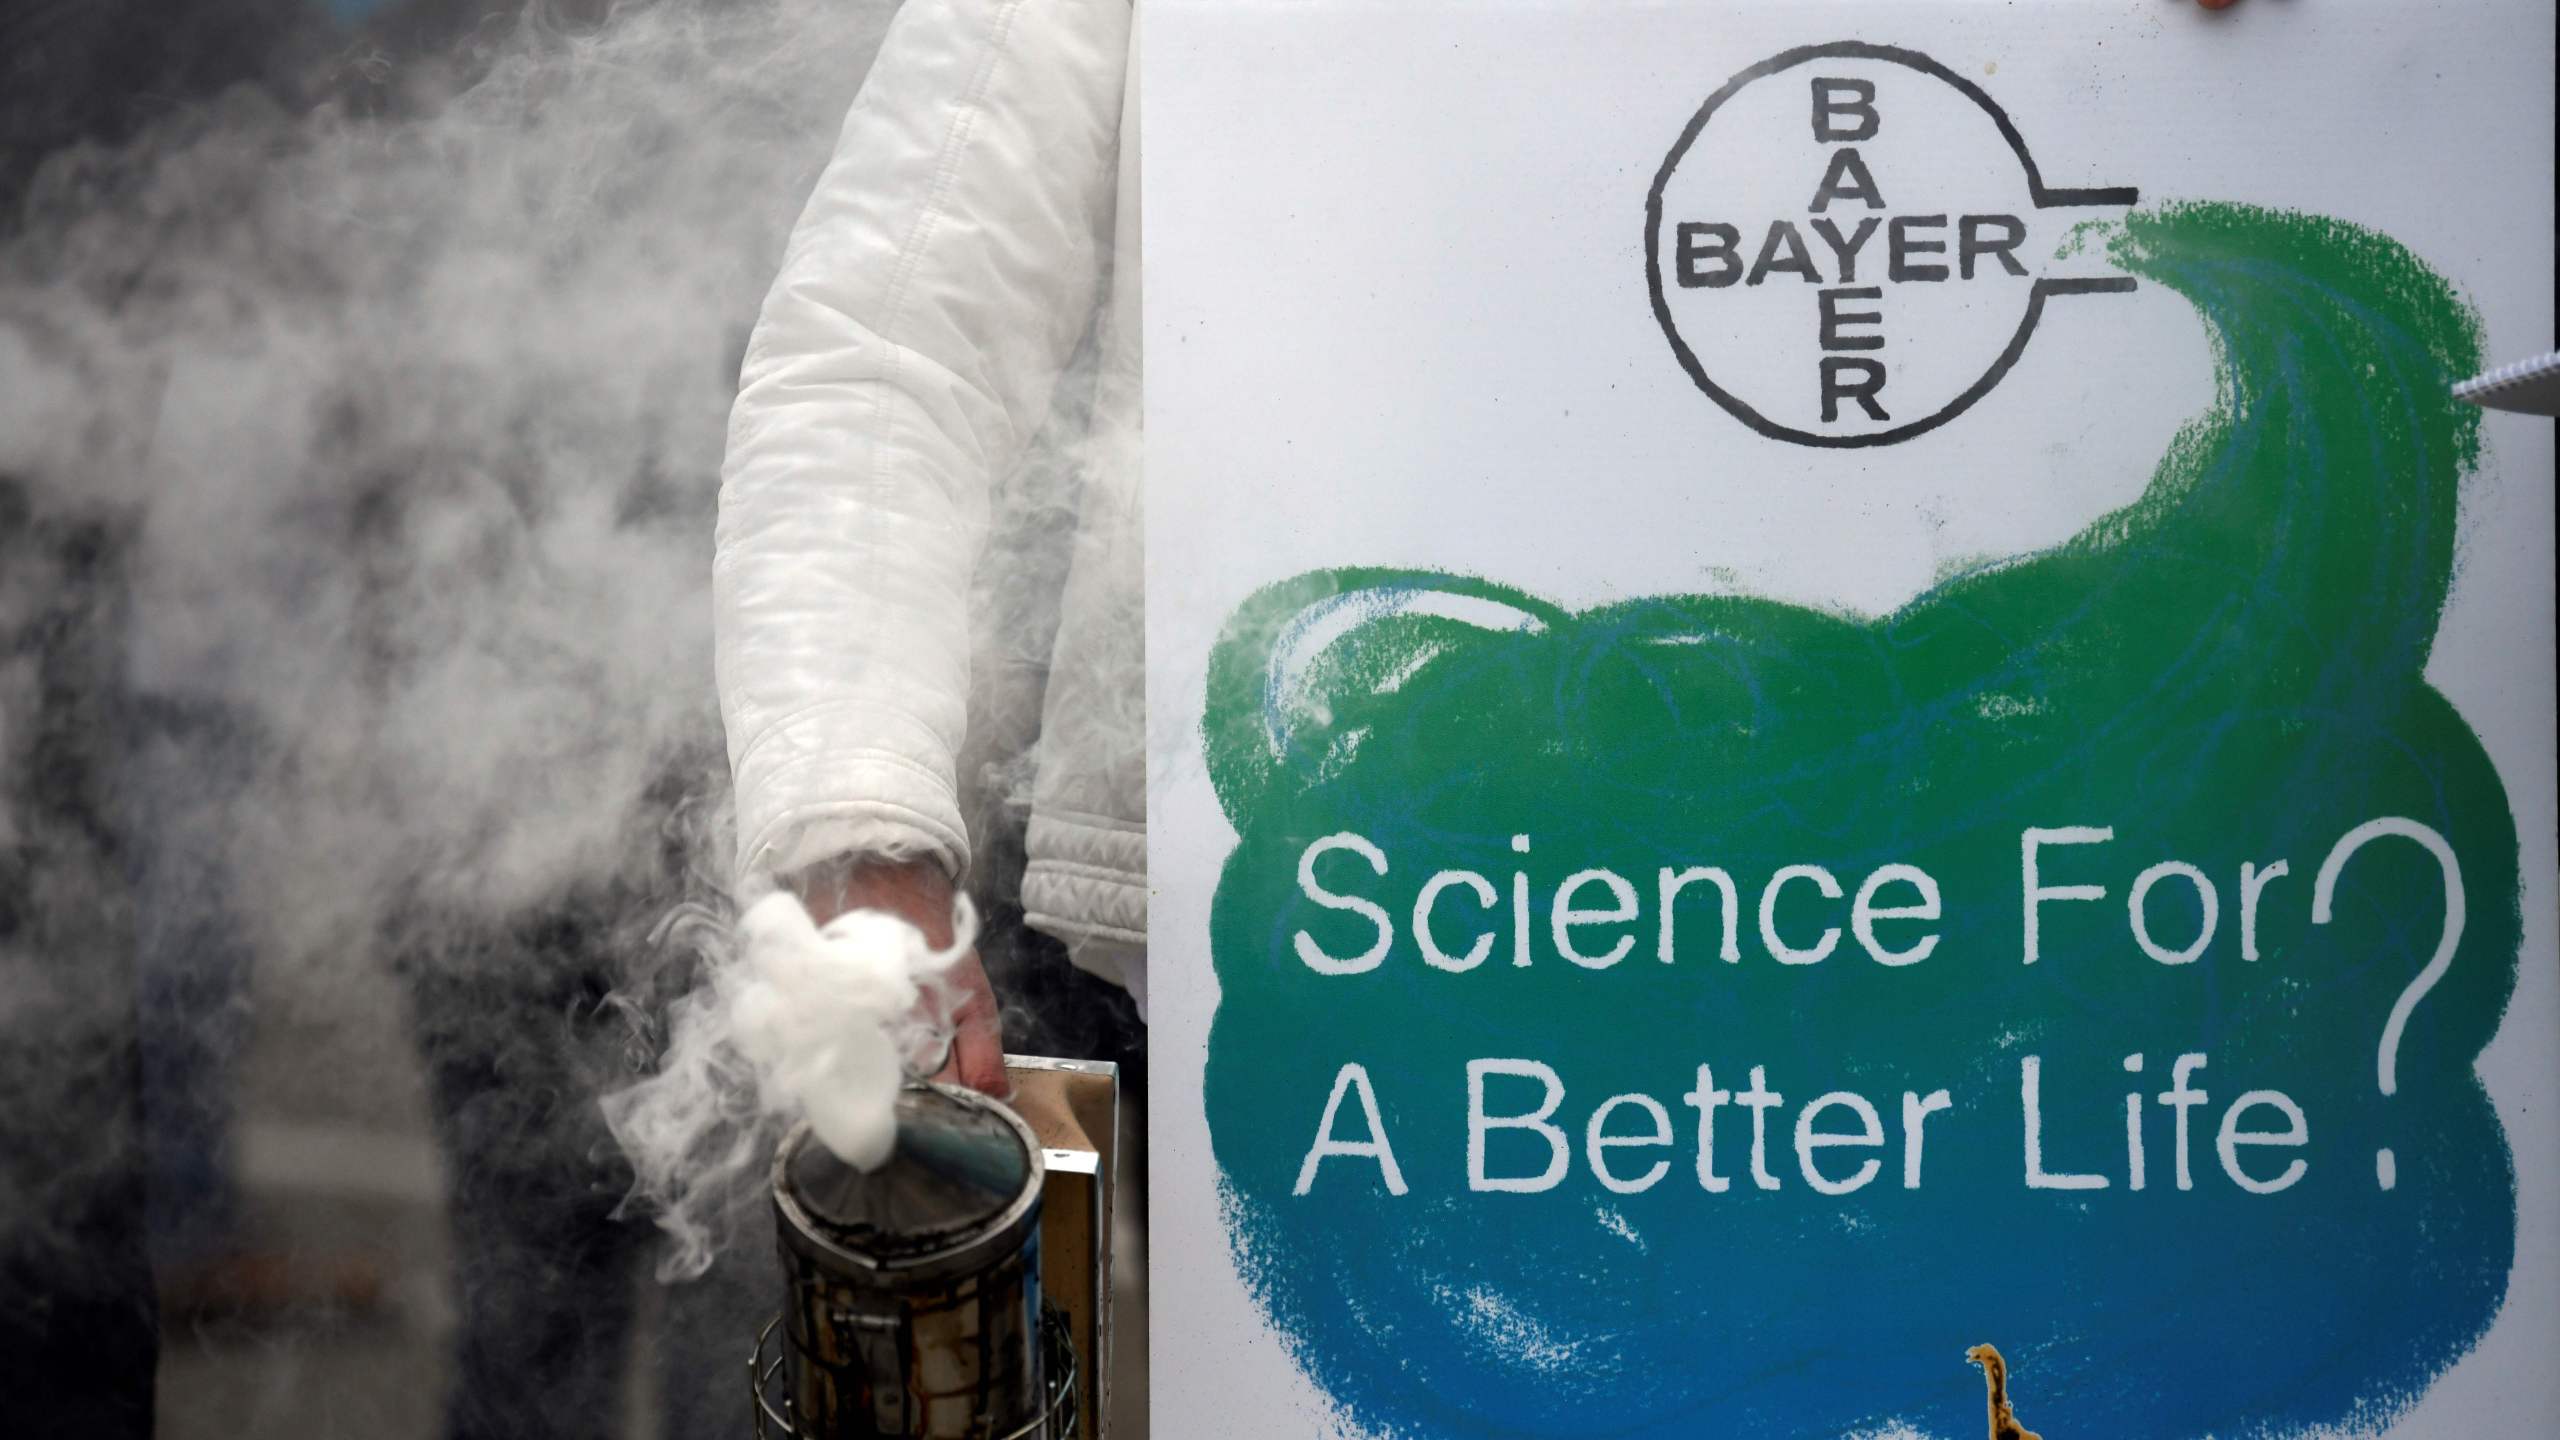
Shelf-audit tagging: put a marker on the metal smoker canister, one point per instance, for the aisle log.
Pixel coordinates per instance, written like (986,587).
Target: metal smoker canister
(914,1308)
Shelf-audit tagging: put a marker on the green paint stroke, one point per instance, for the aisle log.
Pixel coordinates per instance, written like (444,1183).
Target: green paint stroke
(2228,670)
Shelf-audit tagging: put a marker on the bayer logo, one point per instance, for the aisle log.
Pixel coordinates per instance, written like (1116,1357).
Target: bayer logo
(1850,244)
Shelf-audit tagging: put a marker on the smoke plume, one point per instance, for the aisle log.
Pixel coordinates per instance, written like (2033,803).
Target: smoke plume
(393,422)
(793,1021)
(397,422)
(415,425)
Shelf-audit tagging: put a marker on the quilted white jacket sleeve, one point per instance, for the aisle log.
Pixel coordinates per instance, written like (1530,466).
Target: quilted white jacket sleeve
(938,281)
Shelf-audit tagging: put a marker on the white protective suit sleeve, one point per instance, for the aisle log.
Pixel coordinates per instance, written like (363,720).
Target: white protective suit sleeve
(943,273)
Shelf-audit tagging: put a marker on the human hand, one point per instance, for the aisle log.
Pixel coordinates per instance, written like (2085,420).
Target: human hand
(919,893)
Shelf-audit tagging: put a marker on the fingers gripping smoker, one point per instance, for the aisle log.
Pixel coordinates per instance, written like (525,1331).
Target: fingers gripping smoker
(914,1307)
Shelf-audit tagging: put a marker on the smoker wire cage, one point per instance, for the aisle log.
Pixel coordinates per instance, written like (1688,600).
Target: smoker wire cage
(1059,1417)
(913,1308)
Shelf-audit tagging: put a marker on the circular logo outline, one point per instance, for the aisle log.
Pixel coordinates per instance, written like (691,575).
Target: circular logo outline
(2041,196)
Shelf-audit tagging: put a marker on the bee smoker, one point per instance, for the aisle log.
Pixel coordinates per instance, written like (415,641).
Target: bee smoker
(913,1306)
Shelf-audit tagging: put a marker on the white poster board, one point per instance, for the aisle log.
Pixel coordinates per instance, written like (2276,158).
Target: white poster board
(1554,531)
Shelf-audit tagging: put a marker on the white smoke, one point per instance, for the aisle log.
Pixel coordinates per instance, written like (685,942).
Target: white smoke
(414,426)
(391,430)
(405,414)
(791,1021)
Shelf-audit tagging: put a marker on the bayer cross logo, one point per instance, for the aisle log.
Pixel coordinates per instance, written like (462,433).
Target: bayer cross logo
(1891,289)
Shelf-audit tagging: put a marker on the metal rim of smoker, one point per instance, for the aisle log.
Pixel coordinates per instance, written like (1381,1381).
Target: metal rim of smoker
(1059,1419)
(805,1232)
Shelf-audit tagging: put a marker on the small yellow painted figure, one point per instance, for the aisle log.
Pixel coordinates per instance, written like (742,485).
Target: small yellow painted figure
(1995,1378)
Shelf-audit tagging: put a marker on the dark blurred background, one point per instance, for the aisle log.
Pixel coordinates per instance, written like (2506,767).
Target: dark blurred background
(299,1227)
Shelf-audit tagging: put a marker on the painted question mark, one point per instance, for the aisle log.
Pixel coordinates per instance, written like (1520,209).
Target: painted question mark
(2387,1062)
